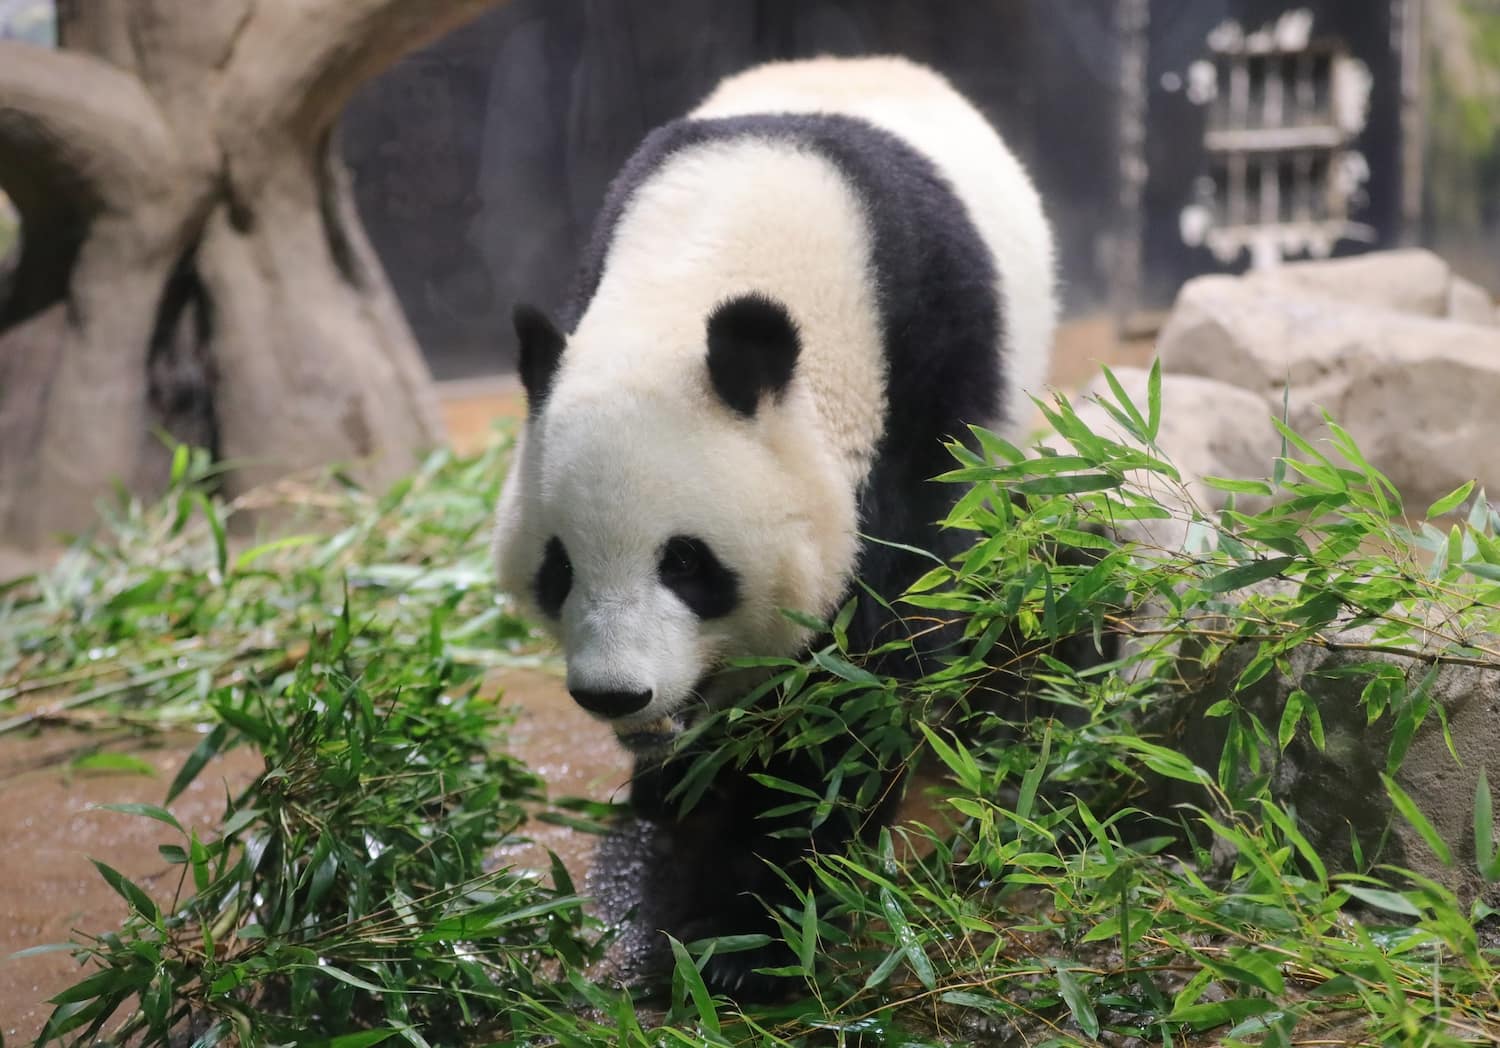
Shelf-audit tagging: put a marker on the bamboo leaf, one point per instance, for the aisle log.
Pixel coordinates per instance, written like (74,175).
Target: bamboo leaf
(1450,501)
(1078,1002)
(149,811)
(1484,824)
(1247,574)
(1413,814)
(128,890)
(1153,400)
(703,1002)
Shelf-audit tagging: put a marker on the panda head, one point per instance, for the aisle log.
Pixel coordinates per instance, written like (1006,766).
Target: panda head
(668,500)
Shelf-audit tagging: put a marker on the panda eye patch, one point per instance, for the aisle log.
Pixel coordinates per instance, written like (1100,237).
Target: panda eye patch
(554,578)
(683,558)
(689,569)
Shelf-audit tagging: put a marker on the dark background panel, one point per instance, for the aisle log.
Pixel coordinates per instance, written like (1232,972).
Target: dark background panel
(1175,156)
(480,163)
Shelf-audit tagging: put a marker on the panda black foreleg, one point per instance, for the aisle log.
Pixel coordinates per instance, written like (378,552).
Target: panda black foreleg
(731,867)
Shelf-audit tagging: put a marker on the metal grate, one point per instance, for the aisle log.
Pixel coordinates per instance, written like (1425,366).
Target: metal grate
(1283,112)
(1272,139)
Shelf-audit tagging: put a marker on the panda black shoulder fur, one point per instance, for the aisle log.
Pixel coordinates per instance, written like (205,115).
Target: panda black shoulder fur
(793,295)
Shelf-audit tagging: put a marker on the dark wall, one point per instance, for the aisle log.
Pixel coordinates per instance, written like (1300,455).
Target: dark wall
(479,163)
(1070,70)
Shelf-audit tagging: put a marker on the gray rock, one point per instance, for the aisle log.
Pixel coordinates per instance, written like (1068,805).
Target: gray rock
(1407,281)
(1470,303)
(1418,393)
(1338,791)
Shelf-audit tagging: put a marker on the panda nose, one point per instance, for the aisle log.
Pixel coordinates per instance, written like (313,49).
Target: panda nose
(611,703)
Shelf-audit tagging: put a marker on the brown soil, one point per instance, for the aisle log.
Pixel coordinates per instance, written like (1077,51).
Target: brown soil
(1083,345)
(47,885)
(471,407)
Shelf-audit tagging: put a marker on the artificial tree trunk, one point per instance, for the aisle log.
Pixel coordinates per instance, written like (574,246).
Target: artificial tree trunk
(191,260)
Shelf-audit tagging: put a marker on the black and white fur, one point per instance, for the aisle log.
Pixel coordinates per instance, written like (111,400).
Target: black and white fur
(792,297)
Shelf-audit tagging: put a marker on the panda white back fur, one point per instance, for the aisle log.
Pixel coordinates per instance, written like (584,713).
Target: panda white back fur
(791,297)
(922,108)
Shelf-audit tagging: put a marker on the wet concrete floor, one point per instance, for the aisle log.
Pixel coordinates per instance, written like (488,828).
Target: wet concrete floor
(50,826)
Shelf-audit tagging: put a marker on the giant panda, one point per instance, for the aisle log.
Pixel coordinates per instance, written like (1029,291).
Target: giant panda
(793,295)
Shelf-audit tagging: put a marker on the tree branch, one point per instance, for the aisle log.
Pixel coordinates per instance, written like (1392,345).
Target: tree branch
(77,138)
(295,74)
(70,123)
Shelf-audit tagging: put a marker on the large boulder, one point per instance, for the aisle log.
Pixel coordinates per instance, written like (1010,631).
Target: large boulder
(1411,281)
(1418,392)
(1406,356)
(1470,303)
(1337,790)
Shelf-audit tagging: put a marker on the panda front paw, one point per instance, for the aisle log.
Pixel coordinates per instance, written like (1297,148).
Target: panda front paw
(735,974)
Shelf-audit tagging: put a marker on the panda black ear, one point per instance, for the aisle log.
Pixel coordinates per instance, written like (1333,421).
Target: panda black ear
(541,352)
(752,350)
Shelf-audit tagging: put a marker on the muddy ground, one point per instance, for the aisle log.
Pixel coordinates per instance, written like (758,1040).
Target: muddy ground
(50,830)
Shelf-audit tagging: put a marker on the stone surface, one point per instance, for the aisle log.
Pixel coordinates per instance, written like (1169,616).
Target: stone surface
(1418,393)
(1470,303)
(1412,281)
(1339,789)
(1407,281)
